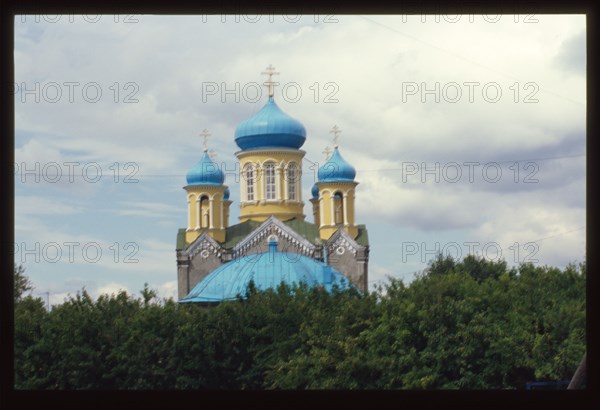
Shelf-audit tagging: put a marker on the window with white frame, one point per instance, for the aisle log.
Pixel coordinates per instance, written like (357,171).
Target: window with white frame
(249,177)
(270,181)
(292,175)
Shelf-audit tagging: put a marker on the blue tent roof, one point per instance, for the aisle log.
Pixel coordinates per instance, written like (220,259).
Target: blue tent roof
(267,270)
(336,169)
(270,128)
(205,172)
(315,191)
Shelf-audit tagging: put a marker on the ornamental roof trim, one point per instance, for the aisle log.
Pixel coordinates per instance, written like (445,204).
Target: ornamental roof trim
(280,229)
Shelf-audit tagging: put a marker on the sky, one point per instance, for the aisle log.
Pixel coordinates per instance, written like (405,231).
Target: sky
(467,132)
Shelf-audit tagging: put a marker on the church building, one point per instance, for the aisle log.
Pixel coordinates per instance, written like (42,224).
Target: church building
(272,242)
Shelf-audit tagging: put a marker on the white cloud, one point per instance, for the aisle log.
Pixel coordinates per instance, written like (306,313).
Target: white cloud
(111,288)
(168,290)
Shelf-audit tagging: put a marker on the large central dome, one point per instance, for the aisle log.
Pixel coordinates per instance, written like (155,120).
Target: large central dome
(270,128)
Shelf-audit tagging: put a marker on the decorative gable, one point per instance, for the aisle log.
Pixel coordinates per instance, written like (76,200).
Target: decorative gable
(341,241)
(205,245)
(274,225)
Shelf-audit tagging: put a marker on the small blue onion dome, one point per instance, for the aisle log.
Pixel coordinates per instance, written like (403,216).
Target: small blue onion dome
(336,169)
(205,172)
(270,128)
(226,194)
(267,270)
(315,191)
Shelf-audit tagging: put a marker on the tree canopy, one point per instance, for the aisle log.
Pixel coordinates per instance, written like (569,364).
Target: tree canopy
(470,324)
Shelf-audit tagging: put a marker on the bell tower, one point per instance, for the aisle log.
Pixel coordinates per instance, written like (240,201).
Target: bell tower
(334,205)
(207,198)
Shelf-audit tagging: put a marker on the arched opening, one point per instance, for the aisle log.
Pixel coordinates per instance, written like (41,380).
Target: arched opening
(338,208)
(204,212)
(292,178)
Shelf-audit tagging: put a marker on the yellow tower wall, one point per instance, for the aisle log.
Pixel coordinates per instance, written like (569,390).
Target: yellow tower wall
(217,220)
(260,208)
(327,225)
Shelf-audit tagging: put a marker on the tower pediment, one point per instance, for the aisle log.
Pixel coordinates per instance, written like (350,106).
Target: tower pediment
(204,242)
(341,238)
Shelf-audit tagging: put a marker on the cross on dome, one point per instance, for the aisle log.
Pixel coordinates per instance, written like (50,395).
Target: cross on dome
(270,83)
(205,134)
(335,131)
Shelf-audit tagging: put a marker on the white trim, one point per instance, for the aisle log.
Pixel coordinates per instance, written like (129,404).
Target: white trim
(198,245)
(189,218)
(265,177)
(211,213)
(321,216)
(345,207)
(342,238)
(278,182)
(332,205)
(305,246)
(198,206)
(222,222)
(296,181)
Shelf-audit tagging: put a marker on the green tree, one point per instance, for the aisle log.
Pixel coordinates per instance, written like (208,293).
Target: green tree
(22,284)
(29,315)
(470,324)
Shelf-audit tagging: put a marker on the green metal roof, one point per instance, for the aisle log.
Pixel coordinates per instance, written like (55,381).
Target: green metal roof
(237,232)
(181,239)
(362,238)
(307,230)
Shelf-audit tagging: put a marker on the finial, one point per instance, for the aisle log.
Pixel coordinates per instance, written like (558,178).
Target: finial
(335,131)
(327,151)
(270,83)
(205,134)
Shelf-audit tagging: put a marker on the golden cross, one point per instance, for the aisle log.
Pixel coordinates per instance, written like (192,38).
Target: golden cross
(335,131)
(270,83)
(205,134)
(327,151)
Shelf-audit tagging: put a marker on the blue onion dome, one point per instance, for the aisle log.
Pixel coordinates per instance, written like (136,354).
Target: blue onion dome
(267,270)
(205,172)
(336,169)
(315,191)
(226,194)
(270,128)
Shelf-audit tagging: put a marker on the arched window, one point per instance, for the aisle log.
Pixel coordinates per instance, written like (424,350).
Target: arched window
(249,177)
(338,207)
(204,212)
(270,181)
(292,176)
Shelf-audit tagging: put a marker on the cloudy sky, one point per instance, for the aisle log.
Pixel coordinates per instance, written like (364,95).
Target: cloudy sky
(467,133)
